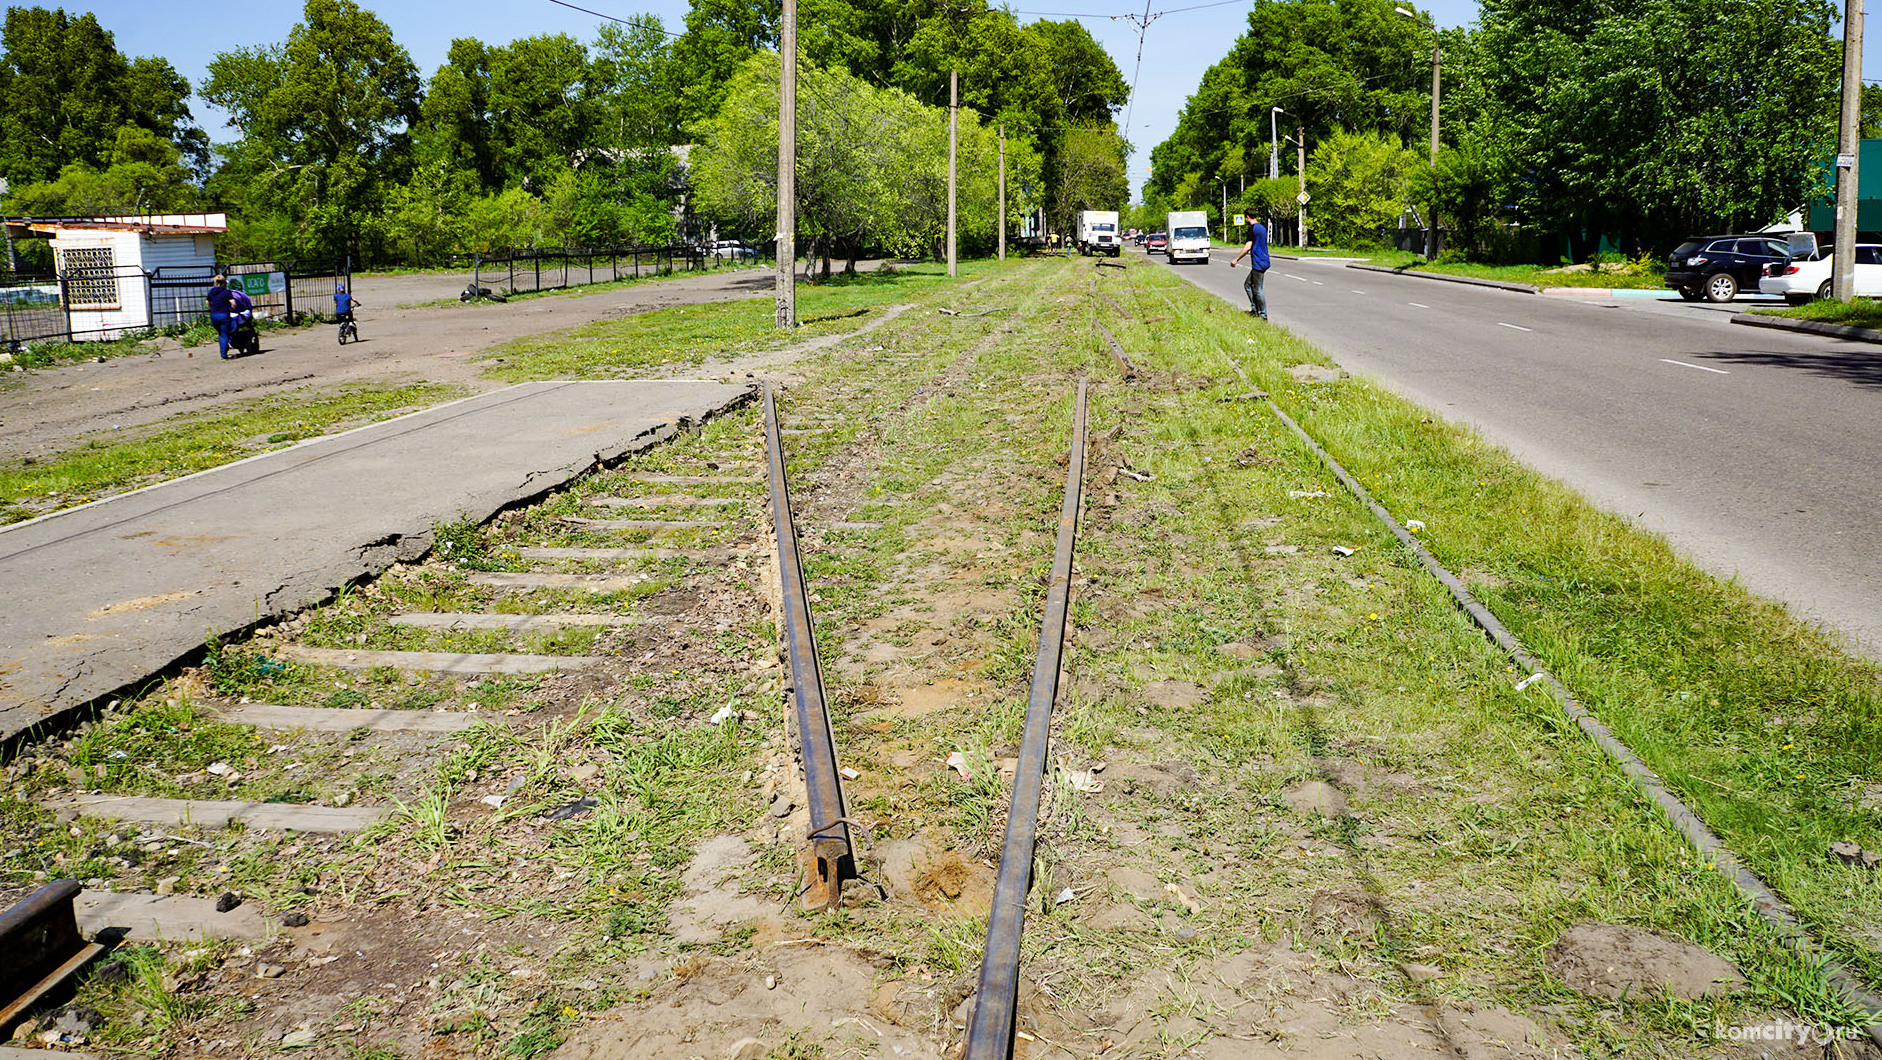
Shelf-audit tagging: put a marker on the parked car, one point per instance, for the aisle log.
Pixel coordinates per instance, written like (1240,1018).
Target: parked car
(1716,268)
(1802,279)
(733,250)
(1156,241)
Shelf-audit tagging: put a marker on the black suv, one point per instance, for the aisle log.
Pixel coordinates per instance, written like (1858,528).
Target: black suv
(1716,267)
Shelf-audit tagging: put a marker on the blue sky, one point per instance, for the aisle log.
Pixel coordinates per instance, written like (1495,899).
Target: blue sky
(1177,47)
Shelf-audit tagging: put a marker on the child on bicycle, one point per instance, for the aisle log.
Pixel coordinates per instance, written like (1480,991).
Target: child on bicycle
(343,305)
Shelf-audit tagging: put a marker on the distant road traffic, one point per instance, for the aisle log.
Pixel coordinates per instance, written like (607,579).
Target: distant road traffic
(1754,451)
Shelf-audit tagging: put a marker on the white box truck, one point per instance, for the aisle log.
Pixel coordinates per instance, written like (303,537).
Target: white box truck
(1097,233)
(1189,236)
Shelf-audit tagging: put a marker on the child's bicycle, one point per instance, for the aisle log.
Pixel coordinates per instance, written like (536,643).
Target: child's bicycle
(348,330)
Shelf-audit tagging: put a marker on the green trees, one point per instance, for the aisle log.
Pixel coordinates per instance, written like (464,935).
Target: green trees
(1359,183)
(1646,119)
(1352,65)
(83,129)
(325,122)
(871,164)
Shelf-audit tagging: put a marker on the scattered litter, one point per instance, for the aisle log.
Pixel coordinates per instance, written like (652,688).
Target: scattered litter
(1527,681)
(516,785)
(1850,854)
(298,1039)
(1342,550)
(848,773)
(958,762)
(724,714)
(495,802)
(1065,896)
(120,754)
(221,769)
(572,809)
(277,748)
(771,982)
(1187,902)
(1298,495)
(1415,525)
(949,312)
(1135,475)
(1084,781)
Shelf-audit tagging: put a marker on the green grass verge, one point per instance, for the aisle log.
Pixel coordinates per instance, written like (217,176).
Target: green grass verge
(1768,727)
(108,465)
(1536,275)
(689,334)
(1855,313)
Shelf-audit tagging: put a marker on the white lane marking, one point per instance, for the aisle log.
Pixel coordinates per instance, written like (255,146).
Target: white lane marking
(1518,327)
(1291,276)
(1356,290)
(1701,367)
(1317,283)
(1420,305)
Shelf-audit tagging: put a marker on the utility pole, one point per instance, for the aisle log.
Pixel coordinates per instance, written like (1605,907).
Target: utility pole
(1002,193)
(1431,222)
(787,166)
(954,109)
(1274,145)
(1848,146)
(1225,210)
(1300,141)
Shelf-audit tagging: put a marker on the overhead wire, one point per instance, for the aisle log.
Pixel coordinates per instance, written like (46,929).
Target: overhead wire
(642,21)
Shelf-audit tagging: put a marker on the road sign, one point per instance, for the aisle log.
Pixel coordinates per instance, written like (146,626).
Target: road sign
(1241,219)
(1302,198)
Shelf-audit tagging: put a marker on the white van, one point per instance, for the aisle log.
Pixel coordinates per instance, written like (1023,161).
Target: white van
(1189,236)
(1097,233)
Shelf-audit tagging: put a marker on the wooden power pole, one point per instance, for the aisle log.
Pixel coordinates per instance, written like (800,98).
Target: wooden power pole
(954,104)
(1848,146)
(1300,142)
(787,166)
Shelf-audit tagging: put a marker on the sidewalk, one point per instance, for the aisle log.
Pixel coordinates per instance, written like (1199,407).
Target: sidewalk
(107,595)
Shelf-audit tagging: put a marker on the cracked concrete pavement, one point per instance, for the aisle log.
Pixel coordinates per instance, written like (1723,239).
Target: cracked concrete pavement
(103,597)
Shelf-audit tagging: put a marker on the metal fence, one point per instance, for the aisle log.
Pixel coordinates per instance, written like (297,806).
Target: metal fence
(522,271)
(81,304)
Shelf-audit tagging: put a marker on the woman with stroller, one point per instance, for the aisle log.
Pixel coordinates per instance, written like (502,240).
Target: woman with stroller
(222,312)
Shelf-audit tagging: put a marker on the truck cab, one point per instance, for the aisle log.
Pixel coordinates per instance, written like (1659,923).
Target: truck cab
(1189,236)
(1097,233)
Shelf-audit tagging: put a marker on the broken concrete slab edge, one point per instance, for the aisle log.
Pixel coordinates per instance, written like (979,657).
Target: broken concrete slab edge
(409,548)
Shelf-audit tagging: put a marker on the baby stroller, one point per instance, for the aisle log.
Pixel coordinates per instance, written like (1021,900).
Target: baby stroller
(243,338)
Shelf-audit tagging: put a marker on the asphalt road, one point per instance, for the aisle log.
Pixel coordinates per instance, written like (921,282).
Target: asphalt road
(1754,452)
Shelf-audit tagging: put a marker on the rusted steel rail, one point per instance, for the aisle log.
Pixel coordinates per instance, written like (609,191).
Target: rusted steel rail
(40,947)
(827,857)
(990,1029)
(1124,364)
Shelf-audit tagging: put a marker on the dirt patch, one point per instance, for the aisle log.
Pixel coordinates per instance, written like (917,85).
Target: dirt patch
(1613,961)
(950,881)
(1315,796)
(1174,695)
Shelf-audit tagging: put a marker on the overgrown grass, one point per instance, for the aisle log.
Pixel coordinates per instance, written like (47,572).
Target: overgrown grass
(1855,313)
(1613,274)
(690,334)
(107,465)
(1767,726)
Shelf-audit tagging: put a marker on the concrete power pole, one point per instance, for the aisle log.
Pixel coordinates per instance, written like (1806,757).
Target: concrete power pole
(1431,222)
(1002,193)
(954,105)
(787,166)
(1300,142)
(1848,146)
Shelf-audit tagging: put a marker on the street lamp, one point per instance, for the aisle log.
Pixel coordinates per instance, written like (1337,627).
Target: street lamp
(1274,146)
(1437,58)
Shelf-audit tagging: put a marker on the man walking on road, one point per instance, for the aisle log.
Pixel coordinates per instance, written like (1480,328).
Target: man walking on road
(1257,254)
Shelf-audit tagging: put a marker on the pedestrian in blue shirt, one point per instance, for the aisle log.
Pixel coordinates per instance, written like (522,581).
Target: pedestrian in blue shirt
(1257,254)
(221,312)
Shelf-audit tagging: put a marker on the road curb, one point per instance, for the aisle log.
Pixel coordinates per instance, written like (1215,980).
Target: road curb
(1500,285)
(1609,292)
(1813,327)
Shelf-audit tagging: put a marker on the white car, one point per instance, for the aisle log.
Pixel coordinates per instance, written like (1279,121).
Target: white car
(733,250)
(1802,279)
